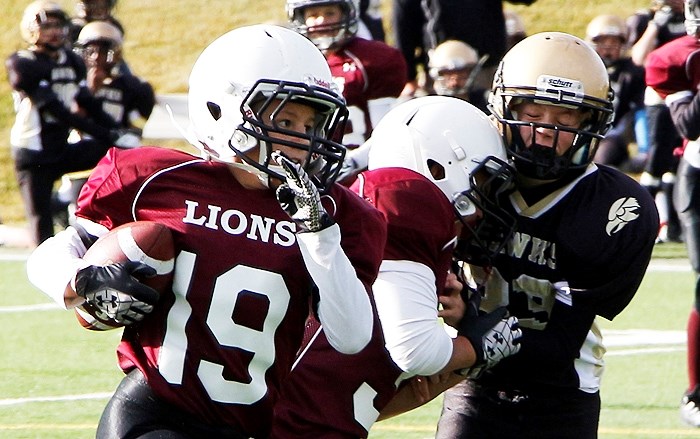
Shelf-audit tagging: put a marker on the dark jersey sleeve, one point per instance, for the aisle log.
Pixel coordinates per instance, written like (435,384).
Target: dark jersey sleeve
(686,116)
(26,78)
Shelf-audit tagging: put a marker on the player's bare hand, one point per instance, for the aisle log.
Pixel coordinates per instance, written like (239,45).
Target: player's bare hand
(453,306)
(96,78)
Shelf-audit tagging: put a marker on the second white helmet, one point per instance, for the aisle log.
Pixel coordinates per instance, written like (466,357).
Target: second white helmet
(457,147)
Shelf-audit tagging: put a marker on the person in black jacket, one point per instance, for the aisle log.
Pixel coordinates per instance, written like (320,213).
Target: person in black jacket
(649,29)
(420,25)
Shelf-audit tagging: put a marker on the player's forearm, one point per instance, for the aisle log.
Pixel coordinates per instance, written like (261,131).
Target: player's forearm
(409,398)
(53,264)
(344,307)
(646,43)
(406,300)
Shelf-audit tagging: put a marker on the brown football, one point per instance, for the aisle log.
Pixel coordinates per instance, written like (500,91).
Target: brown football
(145,241)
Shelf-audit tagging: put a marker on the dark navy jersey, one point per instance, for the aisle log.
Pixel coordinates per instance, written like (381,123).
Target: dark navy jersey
(46,92)
(579,253)
(125,95)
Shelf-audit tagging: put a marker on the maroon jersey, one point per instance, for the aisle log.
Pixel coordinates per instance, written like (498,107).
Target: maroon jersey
(674,67)
(332,395)
(366,70)
(222,342)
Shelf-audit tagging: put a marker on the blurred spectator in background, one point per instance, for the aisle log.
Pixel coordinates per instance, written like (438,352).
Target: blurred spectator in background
(649,29)
(515,29)
(453,67)
(126,98)
(47,81)
(607,34)
(420,25)
(92,10)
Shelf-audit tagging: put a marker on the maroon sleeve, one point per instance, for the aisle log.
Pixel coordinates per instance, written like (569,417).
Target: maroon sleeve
(405,197)
(666,67)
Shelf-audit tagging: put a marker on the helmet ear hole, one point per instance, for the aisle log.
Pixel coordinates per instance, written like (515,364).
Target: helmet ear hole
(436,170)
(214,110)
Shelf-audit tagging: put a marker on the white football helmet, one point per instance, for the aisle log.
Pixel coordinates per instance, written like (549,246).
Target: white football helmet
(692,17)
(341,31)
(102,33)
(559,69)
(35,14)
(239,76)
(449,141)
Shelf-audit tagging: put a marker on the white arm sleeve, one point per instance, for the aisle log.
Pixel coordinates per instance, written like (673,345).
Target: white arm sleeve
(52,265)
(344,308)
(407,305)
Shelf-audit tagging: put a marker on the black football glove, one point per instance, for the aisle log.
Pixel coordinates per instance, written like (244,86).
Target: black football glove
(115,291)
(299,197)
(493,336)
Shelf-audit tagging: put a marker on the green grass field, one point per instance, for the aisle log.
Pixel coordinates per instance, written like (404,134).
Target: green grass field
(56,376)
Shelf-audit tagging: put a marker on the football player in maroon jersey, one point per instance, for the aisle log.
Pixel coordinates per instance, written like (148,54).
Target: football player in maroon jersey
(435,167)
(257,228)
(370,73)
(583,241)
(673,70)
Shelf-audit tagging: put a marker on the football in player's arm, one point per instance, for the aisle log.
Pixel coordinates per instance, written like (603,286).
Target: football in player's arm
(256,224)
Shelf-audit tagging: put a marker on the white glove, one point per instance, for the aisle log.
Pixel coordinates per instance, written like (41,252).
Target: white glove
(663,16)
(503,340)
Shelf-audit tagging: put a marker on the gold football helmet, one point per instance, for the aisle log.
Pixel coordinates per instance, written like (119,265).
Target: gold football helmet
(557,69)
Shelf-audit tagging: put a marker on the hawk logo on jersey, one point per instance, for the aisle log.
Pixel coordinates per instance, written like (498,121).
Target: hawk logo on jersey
(621,212)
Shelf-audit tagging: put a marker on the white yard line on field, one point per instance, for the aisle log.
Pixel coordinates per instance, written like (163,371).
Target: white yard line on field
(29,308)
(16,401)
